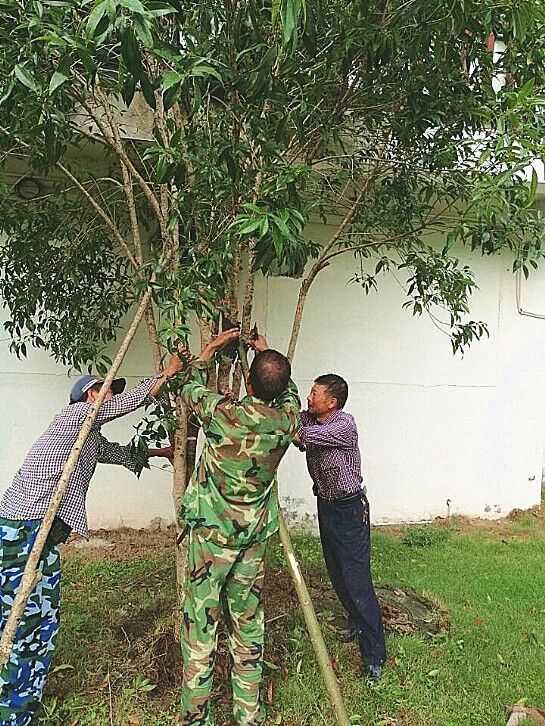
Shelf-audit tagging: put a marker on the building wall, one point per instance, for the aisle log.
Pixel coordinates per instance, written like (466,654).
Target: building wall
(439,433)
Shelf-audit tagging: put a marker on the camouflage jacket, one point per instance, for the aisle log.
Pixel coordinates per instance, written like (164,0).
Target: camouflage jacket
(231,498)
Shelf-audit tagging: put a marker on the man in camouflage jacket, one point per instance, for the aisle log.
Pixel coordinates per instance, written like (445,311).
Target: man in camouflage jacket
(230,508)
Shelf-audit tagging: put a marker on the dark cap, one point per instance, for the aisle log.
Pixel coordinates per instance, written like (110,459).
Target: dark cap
(83,384)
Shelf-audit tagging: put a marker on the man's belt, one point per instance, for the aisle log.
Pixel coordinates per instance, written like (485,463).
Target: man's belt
(343,500)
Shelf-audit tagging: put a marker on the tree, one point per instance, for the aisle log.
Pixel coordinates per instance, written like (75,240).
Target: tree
(393,120)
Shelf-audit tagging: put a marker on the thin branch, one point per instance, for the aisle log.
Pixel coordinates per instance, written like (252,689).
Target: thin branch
(117,146)
(321,262)
(135,227)
(101,212)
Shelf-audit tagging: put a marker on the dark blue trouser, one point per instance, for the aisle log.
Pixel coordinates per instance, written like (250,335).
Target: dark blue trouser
(346,543)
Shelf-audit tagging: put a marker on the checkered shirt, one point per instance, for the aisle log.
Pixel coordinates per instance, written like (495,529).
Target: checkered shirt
(31,490)
(333,455)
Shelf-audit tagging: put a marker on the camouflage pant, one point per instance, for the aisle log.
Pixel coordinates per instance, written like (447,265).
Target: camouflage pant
(228,580)
(22,679)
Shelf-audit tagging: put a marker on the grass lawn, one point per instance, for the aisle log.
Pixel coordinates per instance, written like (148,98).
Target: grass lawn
(116,662)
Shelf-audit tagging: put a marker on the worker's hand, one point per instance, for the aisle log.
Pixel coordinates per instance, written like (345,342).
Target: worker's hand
(226,336)
(219,342)
(296,441)
(259,344)
(175,365)
(184,354)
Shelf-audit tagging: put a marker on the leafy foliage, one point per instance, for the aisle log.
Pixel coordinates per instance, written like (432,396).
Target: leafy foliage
(65,285)
(393,121)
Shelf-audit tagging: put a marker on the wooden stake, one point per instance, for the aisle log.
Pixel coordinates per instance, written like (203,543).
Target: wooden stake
(313,626)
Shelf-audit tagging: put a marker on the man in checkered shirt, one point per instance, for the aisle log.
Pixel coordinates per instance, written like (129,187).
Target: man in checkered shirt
(329,437)
(21,512)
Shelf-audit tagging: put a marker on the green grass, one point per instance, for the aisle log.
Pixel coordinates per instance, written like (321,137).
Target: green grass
(493,656)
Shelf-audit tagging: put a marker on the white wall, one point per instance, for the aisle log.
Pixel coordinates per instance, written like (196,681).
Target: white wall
(433,427)
(33,390)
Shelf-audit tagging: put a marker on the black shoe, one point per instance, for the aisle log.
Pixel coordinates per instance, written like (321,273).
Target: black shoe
(373,671)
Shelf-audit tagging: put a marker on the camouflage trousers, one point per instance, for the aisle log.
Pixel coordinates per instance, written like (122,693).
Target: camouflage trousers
(229,581)
(22,679)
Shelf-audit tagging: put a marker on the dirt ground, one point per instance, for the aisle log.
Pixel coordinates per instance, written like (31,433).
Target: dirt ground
(158,653)
(518,524)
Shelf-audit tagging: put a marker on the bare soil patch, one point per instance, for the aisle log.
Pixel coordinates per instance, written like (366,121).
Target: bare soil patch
(519,524)
(145,641)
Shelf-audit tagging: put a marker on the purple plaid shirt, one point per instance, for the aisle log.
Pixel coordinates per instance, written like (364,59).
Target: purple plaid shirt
(333,456)
(30,492)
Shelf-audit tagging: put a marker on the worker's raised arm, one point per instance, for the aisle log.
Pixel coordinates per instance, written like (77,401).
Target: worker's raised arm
(338,433)
(199,398)
(175,365)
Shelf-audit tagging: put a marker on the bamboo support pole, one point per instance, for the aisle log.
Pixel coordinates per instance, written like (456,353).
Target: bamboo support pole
(31,575)
(313,626)
(311,621)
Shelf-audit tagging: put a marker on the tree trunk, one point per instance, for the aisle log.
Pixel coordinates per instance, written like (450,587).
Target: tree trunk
(179,481)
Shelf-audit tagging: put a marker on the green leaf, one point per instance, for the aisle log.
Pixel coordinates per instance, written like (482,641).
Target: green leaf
(10,84)
(275,10)
(130,52)
(158,9)
(142,28)
(97,13)
(50,141)
(533,188)
(128,90)
(134,5)
(291,11)
(25,78)
(147,90)
(171,79)
(205,70)
(249,226)
(57,79)
(289,21)
(170,97)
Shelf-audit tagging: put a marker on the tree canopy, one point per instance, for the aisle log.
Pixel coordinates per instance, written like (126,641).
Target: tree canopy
(391,119)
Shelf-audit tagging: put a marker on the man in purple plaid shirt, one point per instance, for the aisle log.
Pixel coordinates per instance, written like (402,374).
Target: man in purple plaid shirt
(22,509)
(330,438)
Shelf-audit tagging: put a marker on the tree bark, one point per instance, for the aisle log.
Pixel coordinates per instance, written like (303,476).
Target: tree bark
(179,482)
(31,575)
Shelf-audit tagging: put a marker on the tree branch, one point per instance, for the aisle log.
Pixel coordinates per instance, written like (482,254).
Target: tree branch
(101,212)
(321,263)
(117,146)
